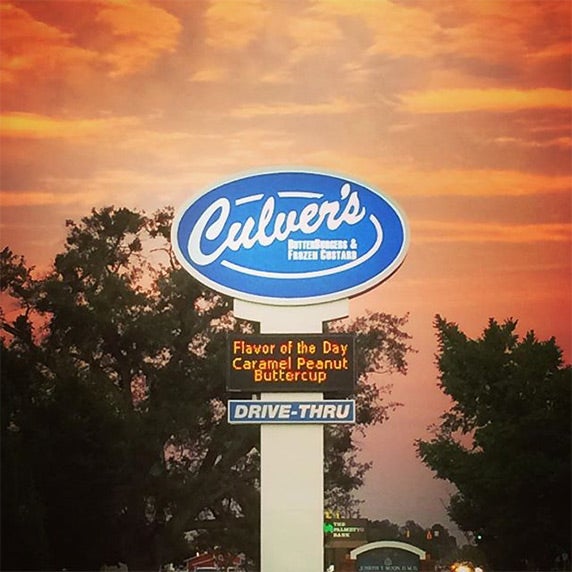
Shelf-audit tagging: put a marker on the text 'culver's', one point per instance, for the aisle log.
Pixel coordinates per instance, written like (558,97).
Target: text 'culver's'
(270,224)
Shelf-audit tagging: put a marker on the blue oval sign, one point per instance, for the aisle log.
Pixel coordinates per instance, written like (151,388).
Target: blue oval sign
(290,238)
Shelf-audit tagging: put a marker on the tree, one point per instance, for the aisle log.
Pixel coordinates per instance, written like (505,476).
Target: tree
(505,442)
(436,541)
(383,530)
(114,439)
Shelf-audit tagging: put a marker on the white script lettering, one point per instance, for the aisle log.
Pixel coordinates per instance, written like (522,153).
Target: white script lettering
(270,226)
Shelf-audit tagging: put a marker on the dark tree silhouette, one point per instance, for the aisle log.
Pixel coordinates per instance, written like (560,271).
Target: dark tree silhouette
(505,443)
(114,438)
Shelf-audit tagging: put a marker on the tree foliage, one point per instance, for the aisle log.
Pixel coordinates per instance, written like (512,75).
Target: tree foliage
(505,442)
(114,439)
(436,540)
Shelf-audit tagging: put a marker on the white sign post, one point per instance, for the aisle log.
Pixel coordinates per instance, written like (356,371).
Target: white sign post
(291,248)
(291,456)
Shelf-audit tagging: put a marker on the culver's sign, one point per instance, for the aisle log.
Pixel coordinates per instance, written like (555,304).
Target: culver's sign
(290,238)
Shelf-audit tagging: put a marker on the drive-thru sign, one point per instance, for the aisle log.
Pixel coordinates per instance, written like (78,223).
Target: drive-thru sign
(291,247)
(241,411)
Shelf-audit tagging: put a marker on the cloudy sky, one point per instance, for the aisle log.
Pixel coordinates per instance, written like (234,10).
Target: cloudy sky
(457,110)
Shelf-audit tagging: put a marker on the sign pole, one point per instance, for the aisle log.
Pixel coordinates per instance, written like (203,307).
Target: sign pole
(291,247)
(292,456)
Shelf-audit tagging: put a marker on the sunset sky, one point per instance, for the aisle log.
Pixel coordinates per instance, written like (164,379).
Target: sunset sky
(459,111)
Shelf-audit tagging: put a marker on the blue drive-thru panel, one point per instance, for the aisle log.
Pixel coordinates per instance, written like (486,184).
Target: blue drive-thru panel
(325,411)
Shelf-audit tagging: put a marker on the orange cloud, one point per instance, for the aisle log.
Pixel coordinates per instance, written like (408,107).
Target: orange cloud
(313,37)
(465,231)
(34,198)
(499,32)
(28,44)
(555,142)
(411,180)
(141,32)
(126,37)
(483,183)
(470,32)
(394,28)
(559,49)
(463,100)
(35,126)
(211,74)
(335,107)
(234,25)
(101,188)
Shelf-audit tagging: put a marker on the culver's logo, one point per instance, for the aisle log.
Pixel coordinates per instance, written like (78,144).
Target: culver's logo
(290,238)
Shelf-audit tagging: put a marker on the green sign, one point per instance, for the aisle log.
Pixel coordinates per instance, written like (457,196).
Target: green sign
(346,529)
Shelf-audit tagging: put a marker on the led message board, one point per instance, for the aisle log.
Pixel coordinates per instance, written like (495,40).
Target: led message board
(291,363)
(290,238)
